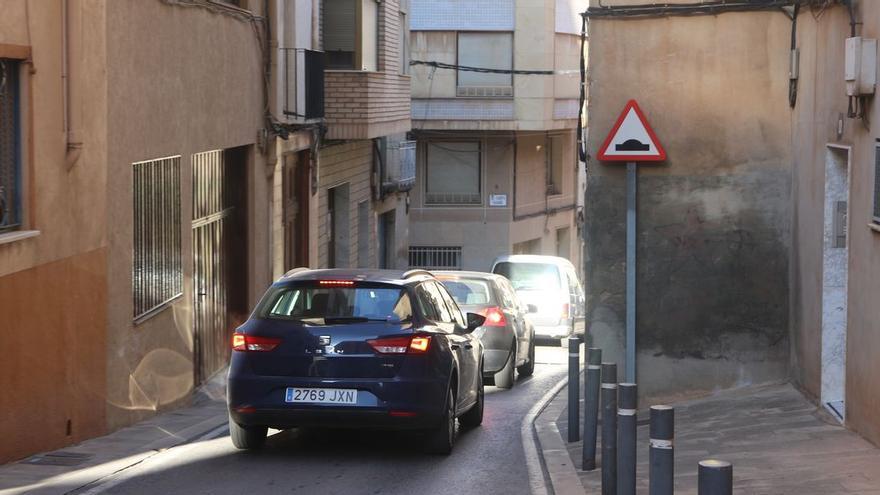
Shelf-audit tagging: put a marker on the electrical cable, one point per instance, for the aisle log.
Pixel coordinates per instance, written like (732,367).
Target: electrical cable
(483,70)
(708,7)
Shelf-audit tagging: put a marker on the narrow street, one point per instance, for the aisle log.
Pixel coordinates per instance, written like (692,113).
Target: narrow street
(486,460)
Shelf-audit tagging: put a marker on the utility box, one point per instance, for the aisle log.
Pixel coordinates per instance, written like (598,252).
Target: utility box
(860,66)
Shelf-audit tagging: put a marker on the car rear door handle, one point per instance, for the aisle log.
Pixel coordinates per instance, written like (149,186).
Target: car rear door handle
(468,346)
(455,347)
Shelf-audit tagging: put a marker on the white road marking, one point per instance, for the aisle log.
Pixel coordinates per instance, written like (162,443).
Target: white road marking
(530,445)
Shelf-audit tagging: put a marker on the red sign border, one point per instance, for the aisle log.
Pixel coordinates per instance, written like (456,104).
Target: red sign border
(631,104)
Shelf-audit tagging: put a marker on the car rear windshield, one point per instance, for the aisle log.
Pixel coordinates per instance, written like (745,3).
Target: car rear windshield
(315,304)
(529,276)
(469,291)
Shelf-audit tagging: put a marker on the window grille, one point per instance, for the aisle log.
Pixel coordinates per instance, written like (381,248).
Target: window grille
(877,184)
(10,151)
(453,173)
(435,257)
(157,265)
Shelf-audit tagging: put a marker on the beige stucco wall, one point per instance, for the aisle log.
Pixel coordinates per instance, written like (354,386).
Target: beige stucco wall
(821,102)
(57,356)
(180,81)
(714,219)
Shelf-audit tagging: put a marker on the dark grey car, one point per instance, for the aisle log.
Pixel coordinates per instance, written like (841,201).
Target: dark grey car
(507,335)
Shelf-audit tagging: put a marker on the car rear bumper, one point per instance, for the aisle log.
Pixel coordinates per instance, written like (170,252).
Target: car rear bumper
(497,345)
(553,331)
(381,403)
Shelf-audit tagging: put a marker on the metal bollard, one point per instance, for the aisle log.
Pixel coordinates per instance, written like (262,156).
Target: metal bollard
(715,478)
(574,374)
(609,429)
(627,404)
(661,455)
(591,408)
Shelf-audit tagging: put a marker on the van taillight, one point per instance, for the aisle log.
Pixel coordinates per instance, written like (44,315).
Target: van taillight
(566,311)
(401,345)
(251,343)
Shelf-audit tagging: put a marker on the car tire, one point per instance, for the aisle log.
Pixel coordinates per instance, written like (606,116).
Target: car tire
(247,437)
(528,368)
(474,416)
(505,377)
(441,439)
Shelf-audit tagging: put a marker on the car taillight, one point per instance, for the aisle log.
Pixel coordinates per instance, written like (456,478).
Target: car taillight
(251,343)
(494,317)
(401,345)
(566,311)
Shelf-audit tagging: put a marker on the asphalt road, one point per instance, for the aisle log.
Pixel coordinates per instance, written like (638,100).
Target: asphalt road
(486,460)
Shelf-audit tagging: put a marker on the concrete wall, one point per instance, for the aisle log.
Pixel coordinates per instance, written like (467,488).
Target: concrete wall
(55,358)
(485,232)
(180,81)
(822,103)
(539,102)
(713,230)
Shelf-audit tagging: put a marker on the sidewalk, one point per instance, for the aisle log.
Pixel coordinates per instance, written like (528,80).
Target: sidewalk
(80,466)
(778,442)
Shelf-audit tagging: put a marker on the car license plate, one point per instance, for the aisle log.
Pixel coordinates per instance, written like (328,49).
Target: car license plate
(321,395)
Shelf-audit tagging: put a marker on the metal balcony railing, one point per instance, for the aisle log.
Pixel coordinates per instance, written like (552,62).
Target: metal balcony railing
(400,167)
(303,80)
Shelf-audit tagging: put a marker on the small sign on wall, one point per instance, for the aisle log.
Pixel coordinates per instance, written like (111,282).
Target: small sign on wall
(497,200)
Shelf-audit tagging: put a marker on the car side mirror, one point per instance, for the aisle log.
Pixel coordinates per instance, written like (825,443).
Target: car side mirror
(532,308)
(474,321)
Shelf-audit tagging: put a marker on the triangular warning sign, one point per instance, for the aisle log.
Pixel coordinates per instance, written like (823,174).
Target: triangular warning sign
(632,139)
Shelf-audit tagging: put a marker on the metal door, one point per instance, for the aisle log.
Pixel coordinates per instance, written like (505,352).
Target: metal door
(211,214)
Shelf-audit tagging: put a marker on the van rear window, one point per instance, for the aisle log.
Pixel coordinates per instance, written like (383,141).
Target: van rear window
(529,276)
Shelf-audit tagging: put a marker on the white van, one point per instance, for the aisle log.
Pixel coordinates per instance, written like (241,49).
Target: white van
(551,284)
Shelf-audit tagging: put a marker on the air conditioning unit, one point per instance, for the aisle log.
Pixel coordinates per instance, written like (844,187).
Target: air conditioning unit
(860,66)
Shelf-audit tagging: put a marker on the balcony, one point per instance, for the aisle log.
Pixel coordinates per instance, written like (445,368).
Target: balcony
(366,104)
(399,167)
(303,81)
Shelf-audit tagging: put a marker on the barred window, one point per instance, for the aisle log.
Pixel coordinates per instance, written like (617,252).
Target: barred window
(877,184)
(157,268)
(10,148)
(435,257)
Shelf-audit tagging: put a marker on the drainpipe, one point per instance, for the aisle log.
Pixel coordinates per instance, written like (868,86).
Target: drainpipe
(73,147)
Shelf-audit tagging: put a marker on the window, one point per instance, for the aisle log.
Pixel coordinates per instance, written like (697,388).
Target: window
(10,147)
(437,300)
(435,257)
(877,184)
(404,43)
(453,174)
(554,165)
(426,303)
(342,21)
(530,276)
(490,51)
(157,268)
(469,291)
(454,310)
(316,304)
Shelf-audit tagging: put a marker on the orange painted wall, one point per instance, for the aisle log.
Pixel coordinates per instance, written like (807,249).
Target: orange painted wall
(53,368)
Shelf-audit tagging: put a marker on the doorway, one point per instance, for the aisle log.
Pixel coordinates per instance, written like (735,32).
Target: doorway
(387,251)
(295,185)
(338,243)
(835,255)
(219,242)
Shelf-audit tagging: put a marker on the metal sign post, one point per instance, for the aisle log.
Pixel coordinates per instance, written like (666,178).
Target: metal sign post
(631,189)
(631,140)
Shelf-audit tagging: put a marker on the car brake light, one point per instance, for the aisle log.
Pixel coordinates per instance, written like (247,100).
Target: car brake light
(251,343)
(401,345)
(343,283)
(494,317)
